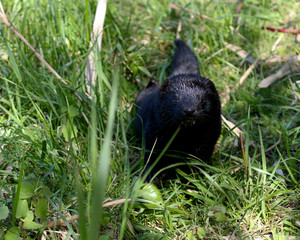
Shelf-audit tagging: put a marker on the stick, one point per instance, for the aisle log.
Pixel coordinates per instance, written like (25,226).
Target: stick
(239,51)
(238,10)
(287,58)
(179,27)
(232,126)
(247,73)
(273,146)
(73,218)
(6,21)
(90,69)
(291,31)
(12,27)
(284,70)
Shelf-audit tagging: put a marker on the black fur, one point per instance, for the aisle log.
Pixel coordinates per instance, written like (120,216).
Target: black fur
(184,60)
(185,100)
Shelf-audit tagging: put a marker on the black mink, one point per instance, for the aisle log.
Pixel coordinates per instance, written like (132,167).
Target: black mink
(185,100)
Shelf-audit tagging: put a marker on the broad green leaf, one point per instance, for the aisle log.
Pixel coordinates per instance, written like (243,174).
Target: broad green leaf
(73,132)
(190,235)
(29,216)
(3,212)
(200,232)
(140,227)
(219,208)
(150,192)
(73,111)
(142,205)
(220,216)
(32,225)
(46,193)
(22,208)
(41,209)
(27,190)
(105,237)
(105,219)
(13,234)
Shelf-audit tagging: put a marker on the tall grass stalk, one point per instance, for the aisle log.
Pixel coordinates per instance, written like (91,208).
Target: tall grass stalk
(101,163)
(73,154)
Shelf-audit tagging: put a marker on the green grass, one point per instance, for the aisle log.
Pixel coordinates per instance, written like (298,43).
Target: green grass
(54,164)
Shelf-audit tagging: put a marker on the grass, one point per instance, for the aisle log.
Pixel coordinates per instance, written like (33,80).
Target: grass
(54,164)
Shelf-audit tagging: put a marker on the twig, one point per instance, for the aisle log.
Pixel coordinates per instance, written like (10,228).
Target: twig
(273,146)
(276,43)
(235,170)
(291,66)
(12,27)
(292,31)
(249,70)
(64,235)
(287,58)
(295,94)
(179,27)
(90,69)
(232,126)
(130,227)
(244,55)
(6,21)
(239,51)
(214,54)
(86,119)
(60,222)
(238,10)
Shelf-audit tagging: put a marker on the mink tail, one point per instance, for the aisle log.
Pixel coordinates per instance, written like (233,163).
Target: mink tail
(184,61)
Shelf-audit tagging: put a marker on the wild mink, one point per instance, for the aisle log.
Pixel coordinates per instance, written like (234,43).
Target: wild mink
(185,100)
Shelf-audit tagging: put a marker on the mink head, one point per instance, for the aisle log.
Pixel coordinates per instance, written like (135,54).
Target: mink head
(188,100)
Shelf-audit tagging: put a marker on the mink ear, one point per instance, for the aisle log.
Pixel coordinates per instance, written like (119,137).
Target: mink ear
(152,82)
(163,86)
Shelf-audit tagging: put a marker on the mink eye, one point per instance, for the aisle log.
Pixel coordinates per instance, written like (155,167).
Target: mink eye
(203,105)
(174,98)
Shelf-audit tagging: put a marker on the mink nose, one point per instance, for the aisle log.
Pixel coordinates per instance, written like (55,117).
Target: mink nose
(189,111)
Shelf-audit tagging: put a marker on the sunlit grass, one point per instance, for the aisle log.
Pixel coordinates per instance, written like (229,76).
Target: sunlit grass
(79,154)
